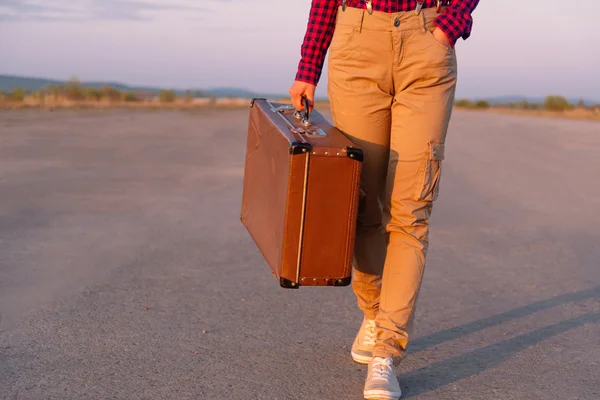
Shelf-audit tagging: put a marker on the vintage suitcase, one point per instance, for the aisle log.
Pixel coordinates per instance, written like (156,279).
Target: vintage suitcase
(300,194)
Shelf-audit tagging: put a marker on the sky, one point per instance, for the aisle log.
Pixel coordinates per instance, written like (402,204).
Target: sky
(531,48)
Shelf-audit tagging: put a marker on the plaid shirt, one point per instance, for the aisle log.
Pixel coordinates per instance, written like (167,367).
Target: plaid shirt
(455,22)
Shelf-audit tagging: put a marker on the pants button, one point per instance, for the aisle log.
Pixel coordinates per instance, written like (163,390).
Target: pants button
(397,22)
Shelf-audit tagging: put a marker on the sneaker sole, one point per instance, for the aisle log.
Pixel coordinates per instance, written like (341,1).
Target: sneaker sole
(361,359)
(382,394)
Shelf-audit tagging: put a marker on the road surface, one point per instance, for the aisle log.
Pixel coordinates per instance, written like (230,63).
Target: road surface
(125,272)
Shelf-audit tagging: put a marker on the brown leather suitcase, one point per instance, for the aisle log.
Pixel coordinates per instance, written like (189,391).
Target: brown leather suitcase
(300,194)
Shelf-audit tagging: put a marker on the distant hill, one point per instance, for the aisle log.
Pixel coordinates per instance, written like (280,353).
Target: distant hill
(231,92)
(10,82)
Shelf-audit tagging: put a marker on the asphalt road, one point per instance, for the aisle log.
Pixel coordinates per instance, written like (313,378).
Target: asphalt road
(126,274)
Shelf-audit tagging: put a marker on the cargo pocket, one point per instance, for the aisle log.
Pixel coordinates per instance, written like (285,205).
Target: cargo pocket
(428,178)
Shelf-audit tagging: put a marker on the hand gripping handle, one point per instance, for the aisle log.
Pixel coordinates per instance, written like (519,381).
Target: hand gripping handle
(306,117)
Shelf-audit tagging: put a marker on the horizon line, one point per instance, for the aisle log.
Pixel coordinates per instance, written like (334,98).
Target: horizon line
(498,97)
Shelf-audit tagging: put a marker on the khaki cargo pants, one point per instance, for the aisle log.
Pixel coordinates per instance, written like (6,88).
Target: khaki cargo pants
(391,87)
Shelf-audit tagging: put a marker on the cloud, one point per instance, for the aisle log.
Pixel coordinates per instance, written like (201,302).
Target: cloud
(86,10)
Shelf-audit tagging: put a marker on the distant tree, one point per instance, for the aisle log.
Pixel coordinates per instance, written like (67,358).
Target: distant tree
(188,96)
(580,104)
(522,104)
(93,94)
(198,94)
(482,104)
(74,90)
(556,103)
(111,93)
(17,94)
(130,96)
(464,103)
(167,96)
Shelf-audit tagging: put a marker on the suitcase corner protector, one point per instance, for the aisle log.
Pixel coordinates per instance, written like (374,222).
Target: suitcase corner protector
(254,99)
(287,284)
(299,148)
(355,153)
(343,281)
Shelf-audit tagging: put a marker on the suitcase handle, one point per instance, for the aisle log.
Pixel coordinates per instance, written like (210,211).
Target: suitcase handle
(297,114)
(306,116)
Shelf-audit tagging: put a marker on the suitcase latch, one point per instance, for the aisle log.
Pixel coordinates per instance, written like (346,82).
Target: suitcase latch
(284,108)
(309,131)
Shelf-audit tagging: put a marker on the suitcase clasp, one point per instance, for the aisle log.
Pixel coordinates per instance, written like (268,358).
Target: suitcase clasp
(309,132)
(283,108)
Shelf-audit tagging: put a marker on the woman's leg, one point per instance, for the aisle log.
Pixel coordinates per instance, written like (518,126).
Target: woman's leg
(424,79)
(360,90)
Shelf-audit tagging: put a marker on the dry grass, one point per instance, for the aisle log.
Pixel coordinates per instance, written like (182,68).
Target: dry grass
(578,113)
(53,103)
(31,102)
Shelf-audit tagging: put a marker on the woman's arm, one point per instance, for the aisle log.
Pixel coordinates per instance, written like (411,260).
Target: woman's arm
(319,32)
(456,21)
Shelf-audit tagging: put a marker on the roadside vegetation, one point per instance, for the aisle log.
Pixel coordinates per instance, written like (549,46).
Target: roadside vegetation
(553,105)
(75,95)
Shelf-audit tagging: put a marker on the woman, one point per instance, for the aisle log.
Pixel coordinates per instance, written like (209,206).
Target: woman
(392,77)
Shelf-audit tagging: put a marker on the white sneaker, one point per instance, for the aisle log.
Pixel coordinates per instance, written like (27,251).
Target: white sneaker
(362,348)
(381,380)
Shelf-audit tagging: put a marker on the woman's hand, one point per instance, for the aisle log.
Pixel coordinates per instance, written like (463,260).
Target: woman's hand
(300,89)
(441,37)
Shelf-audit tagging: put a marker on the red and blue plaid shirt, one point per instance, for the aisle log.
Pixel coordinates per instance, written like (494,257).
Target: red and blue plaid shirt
(455,22)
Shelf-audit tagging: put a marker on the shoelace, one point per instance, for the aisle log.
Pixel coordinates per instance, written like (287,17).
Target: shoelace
(381,369)
(369,339)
